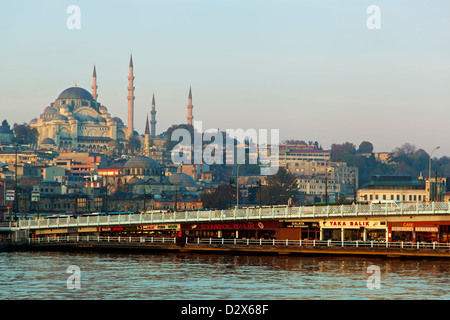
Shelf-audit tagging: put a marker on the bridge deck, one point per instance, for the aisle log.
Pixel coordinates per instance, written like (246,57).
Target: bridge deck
(275,212)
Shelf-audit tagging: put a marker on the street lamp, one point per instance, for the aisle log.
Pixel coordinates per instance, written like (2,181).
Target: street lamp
(326,185)
(259,187)
(16,207)
(354,186)
(429,166)
(436,198)
(237,187)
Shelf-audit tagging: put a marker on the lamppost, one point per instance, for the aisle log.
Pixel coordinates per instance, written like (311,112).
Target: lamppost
(237,187)
(429,166)
(259,191)
(436,198)
(429,171)
(230,193)
(354,186)
(326,185)
(15,182)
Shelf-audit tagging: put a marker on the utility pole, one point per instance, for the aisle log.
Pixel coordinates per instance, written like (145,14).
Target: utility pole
(15,183)
(259,191)
(231,185)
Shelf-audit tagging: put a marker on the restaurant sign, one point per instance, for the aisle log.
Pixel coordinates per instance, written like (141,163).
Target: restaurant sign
(402,226)
(297,224)
(161,227)
(119,228)
(353,224)
(414,226)
(233,225)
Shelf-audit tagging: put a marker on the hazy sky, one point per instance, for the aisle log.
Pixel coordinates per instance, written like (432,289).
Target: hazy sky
(312,69)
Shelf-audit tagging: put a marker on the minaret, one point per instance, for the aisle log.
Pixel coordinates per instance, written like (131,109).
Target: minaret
(153,121)
(190,106)
(94,85)
(147,139)
(130,99)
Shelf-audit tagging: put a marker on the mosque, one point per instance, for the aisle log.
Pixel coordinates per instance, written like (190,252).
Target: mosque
(77,121)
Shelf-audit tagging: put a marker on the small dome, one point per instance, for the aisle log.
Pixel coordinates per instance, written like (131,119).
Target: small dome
(51,110)
(33,121)
(102,109)
(75,93)
(182,179)
(136,180)
(58,117)
(118,120)
(84,117)
(48,141)
(141,162)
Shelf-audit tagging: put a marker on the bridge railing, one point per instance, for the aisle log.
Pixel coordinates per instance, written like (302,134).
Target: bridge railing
(239,242)
(274,212)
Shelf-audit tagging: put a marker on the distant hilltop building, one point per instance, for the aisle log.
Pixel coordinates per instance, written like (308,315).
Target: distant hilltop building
(76,120)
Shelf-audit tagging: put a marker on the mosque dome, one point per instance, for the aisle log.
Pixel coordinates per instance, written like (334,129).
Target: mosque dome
(75,93)
(102,109)
(85,117)
(142,162)
(182,179)
(51,110)
(135,180)
(118,120)
(48,141)
(58,117)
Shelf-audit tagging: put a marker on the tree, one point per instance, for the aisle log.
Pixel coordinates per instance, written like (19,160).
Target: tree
(24,134)
(134,144)
(168,134)
(365,147)
(218,199)
(342,152)
(279,188)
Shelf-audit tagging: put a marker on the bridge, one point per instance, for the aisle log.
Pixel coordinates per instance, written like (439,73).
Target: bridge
(250,213)
(259,246)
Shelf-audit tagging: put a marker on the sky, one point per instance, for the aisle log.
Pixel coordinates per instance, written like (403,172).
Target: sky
(312,69)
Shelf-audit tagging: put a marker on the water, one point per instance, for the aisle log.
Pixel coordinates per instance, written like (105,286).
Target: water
(42,275)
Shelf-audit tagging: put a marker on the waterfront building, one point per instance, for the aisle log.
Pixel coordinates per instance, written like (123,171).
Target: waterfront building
(401,188)
(288,156)
(314,177)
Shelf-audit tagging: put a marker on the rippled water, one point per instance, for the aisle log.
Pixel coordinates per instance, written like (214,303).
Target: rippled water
(42,275)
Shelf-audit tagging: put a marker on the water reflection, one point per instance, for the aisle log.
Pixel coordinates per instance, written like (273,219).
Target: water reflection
(42,275)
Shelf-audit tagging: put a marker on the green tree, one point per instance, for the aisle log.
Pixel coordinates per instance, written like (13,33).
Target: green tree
(218,199)
(279,188)
(23,134)
(365,147)
(134,144)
